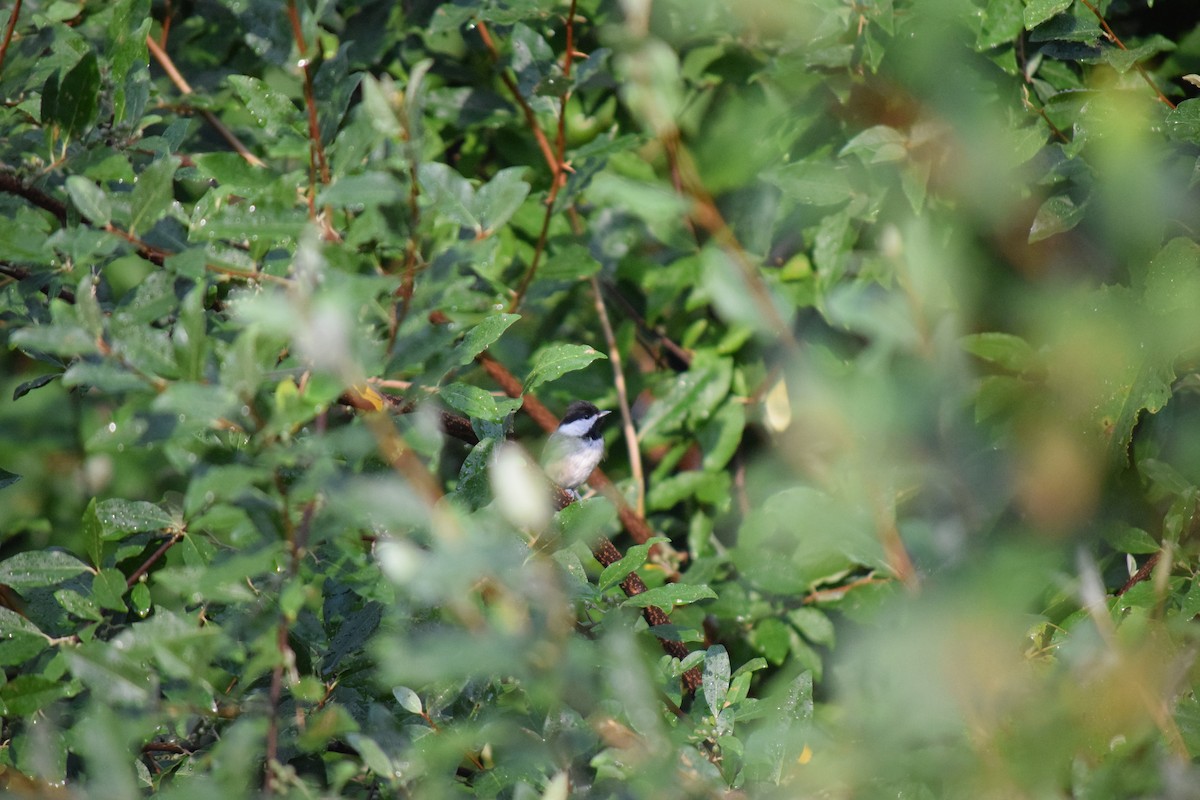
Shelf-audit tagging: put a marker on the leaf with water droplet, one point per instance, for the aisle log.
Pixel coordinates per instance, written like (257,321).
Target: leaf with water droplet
(557,360)
(34,569)
(119,517)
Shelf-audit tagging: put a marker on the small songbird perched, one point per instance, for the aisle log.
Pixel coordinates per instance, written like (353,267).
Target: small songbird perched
(574,450)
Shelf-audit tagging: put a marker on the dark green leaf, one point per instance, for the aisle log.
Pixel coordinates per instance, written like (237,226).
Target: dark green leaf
(78,97)
(37,383)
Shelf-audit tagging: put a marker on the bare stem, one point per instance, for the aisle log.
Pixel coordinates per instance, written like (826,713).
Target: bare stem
(8,32)
(229,136)
(631,440)
(1111,35)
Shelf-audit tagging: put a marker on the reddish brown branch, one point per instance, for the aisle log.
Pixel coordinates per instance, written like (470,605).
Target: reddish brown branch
(154,557)
(1144,572)
(318,164)
(604,550)
(8,32)
(168,66)
(530,117)
(555,156)
(1111,35)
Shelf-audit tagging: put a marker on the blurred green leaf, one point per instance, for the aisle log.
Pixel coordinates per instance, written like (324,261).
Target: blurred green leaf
(1057,214)
(90,199)
(8,478)
(152,194)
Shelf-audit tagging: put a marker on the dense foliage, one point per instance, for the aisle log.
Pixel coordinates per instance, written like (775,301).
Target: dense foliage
(895,302)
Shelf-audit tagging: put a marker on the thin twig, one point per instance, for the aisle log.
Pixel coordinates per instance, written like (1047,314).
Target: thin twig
(154,557)
(555,156)
(527,110)
(8,32)
(1111,35)
(318,164)
(297,540)
(708,216)
(631,440)
(229,136)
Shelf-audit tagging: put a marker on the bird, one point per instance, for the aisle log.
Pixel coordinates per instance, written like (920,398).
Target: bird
(576,447)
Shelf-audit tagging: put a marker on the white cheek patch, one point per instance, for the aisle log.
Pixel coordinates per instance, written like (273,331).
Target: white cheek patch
(577,428)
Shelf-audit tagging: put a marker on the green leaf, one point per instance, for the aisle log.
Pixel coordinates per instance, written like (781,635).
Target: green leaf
(816,183)
(93,532)
(25,695)
(372,755)
(272,111)
(34,569)
(118,517)
(716,678)
(60,338)
(498,199)
(673,594)
(555,361)
(1056,215)
(8,478)
(692,396)
(449,193)
(880,144)
(110,674)
(232,171)
(90,199)
(633,559)
(1183,121)
(720,437)
(1038,11)
(482,336)
(79,605)
(153,194)
(707,487)
(1002,349)
(362,191)
(108,589)
(407,699)
(21,640)
(477,403)
(772,638)
(78,97)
